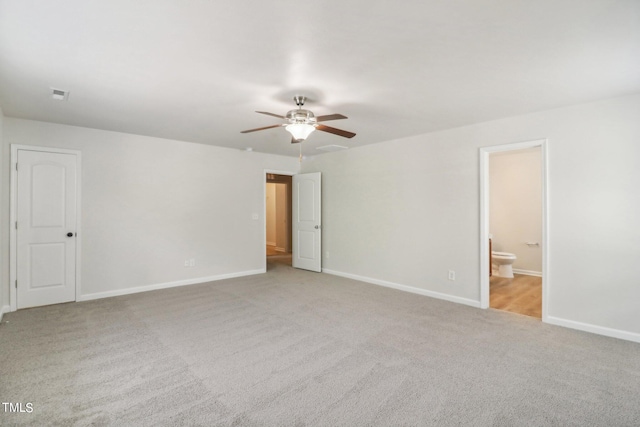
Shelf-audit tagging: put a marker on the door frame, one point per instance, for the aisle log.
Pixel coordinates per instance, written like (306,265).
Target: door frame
(264,207)
(13,238)
(484,218)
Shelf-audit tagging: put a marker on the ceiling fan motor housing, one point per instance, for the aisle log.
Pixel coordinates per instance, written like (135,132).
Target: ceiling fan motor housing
(301,116)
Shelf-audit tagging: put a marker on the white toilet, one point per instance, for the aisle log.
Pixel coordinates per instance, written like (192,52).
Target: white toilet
(503,261)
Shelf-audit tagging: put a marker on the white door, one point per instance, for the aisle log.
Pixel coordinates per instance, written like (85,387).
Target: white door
(306,222)
(46,228)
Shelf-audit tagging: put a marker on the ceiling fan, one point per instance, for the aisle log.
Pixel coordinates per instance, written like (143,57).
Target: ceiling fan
(300,123)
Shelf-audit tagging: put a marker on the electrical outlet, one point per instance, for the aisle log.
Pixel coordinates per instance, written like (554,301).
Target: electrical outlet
(452,275)
(186,263)
(192,262)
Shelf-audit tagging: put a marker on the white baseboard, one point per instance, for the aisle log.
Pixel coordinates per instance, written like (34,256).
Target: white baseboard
(528,272)
(413,290)
(594,329)
(166,285)
(4,309)
(271,243)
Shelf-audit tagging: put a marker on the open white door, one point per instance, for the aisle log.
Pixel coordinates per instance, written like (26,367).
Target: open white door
(307,246)
(46,228)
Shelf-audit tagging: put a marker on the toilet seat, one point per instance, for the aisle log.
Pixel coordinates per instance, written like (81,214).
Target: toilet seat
(503,255)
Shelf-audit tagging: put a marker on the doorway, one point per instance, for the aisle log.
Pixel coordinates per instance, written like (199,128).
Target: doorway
(513,232)
(278,214)
(45,219)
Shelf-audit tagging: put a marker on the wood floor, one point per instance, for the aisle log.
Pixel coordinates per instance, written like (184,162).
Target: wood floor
(522,295)
(271,250)
(274,256)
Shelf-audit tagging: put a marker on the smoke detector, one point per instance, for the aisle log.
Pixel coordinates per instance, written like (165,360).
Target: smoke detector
(59,94)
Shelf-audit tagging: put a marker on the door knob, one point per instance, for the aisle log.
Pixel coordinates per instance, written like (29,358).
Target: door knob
(69,234)
(317,226)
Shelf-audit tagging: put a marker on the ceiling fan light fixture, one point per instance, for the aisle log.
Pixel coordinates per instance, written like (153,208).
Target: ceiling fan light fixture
(300,131)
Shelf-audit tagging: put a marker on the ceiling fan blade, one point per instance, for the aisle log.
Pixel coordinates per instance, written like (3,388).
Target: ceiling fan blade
(271,114)
(330,117)
(335,131)
(266,127)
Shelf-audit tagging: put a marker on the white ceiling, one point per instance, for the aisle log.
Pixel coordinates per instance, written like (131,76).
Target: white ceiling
(196,70)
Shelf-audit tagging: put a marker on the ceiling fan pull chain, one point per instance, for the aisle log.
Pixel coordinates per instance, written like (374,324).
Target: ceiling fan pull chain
(300,158)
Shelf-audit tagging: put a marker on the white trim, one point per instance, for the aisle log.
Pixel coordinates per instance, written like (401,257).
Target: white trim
(4,309)
(528,272)
(484,218)
(600,330)
(264,207)
(405,288)
(195,281)
(12,216)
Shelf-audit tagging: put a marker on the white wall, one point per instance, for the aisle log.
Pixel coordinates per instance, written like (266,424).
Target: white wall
(148,204)
(407,211)
(515,206)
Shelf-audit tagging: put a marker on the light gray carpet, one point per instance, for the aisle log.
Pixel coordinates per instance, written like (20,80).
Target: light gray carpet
(293,348)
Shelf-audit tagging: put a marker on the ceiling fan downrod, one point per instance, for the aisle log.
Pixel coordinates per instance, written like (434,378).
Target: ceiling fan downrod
(299,100)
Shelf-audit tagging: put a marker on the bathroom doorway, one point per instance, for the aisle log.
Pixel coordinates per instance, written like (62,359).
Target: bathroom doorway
(278,199)
(513,228)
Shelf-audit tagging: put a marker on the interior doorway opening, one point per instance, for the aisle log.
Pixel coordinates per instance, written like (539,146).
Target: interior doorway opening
(278,215)
(514,231)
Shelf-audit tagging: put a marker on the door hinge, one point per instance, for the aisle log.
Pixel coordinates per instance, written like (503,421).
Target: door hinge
(16,166)
(16,284)
(16,225)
